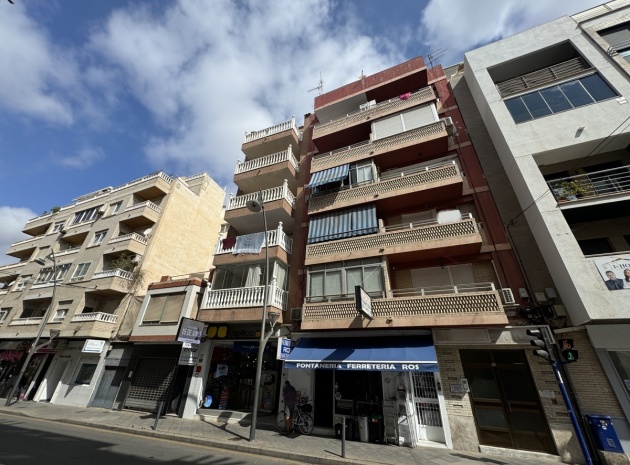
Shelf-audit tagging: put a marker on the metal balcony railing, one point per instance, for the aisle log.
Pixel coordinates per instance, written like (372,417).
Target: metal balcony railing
(591,185)
(618,47)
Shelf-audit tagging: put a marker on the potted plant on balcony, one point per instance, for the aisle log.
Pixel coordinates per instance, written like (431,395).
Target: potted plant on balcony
(570,190)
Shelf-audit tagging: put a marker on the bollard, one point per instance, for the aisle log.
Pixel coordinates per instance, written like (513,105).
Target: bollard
(343,437)
(157,415)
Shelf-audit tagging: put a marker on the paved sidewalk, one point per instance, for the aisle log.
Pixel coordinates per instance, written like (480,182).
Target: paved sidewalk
(308,449)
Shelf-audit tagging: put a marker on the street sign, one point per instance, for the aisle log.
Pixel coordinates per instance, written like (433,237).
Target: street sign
(363,301)
(285,345)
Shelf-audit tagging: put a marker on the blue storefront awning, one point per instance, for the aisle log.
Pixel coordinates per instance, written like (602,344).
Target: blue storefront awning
(376,354)
(330,175)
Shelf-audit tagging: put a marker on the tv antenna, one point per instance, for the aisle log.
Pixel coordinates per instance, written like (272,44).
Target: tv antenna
(433,56)
(320,85)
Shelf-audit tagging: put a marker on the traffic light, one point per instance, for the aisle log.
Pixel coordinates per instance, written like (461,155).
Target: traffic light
(543,347)
(569,354)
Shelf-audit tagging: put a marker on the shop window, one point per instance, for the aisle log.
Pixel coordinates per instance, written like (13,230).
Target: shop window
(86,373)
(338,280)
(164,309)
(621,361)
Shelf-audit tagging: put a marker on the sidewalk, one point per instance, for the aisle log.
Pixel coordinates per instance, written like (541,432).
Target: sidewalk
(308,449)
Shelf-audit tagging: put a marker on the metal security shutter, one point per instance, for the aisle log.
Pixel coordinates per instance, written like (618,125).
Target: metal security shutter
(150,384)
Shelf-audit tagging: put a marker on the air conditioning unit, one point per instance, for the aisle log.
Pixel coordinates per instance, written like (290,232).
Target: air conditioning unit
(101,211)
(507,296)
(448,122)
(296,314)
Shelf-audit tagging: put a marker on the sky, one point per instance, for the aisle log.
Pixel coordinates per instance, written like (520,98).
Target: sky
(98,93)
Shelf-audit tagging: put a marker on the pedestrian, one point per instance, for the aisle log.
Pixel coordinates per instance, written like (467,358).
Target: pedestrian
(289,394)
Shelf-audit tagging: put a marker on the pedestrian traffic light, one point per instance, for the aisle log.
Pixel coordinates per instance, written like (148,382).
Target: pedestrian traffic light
(569,354)
(543,348)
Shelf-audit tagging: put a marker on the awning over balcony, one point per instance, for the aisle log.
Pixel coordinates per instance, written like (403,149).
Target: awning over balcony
(343,223)
(330,175)
(374,354)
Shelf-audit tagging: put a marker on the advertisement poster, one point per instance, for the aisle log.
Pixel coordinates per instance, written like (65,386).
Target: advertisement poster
(615,271)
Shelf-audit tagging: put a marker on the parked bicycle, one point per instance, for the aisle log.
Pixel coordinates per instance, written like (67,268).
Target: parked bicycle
(302,418)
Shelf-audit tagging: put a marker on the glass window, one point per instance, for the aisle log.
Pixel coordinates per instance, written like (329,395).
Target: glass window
(556,99)
(115,208)
(86,373)
(58,226)
(81,271)
(4,312)
(99,237)
(621,362)
(23,281)
(335,280)
(86,215)
(576,94)
(518,110)
(60,314)
(536,105)
(598,89)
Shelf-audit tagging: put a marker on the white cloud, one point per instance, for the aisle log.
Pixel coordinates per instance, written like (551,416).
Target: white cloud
(35,75)
(458,26)
(12,220)
(83,158)
(209,71)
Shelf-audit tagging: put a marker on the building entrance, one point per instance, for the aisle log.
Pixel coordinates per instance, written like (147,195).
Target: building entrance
(505,402)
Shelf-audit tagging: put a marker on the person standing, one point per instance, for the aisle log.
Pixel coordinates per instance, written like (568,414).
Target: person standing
(290,396)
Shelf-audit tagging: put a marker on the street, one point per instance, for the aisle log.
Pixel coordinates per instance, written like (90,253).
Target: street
(25,441)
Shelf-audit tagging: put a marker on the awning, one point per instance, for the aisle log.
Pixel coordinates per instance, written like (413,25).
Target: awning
(330,175)
(375,354)
(339,224)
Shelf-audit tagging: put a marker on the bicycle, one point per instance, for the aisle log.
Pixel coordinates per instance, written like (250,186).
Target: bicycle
(302,418)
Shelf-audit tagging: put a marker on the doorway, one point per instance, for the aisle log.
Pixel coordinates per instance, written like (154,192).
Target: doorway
(108,387)
(505,401)
(323,398)
(51,381)
(425,396)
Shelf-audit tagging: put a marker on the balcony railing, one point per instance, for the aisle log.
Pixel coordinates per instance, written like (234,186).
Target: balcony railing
(148,204)
(30,239)
(127,237)
(117,273)
(262,162)
(269,195)
(275,238)
(365,149)
(97,316)
(67,251)
(254,135)
(244,297)
(618,47)
(26,321)
(591,185)
(5,268)
(374,111)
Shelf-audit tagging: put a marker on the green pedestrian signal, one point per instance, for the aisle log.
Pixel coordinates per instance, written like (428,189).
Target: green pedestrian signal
(570,355)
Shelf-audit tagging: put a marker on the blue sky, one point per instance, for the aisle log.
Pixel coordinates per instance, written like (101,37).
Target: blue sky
(97,93)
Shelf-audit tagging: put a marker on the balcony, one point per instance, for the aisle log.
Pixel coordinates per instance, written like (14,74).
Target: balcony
(266,172)
(26,321)
(150,186)
(76,234)
(67,251)
(439,181)
(242,304)
(38,225)
(593,188)
(280,246)
(92,325)
(416,241)
(271,140)
(405,148)
(24,249)
(140,215)
(11,271)
(279,204)
(133,243)
(369,113)
(465,305)
(112,281)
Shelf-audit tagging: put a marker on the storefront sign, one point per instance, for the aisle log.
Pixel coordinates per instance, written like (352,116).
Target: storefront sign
(374,366)
(190,330)
(93,346)
(363,302)
(189,354)
(285,345)
(233,332)
(615,271)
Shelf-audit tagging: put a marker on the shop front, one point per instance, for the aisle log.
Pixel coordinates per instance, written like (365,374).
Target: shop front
(387,388)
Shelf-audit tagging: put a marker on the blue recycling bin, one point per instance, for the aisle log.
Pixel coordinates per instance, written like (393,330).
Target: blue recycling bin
(604,433)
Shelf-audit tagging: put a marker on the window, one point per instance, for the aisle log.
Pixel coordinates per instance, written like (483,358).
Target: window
(86,373)
(224,228)
(59,315)
(559,98)
(3,313)
(58,226)
(99,236)
(81,271)
(23,282)
(338,280)
(46,274)
(361,172)
(164,309)
(618,37)
(115,208)
(86,215)
(406,121)
(621,361)
(441,276)
(595,246)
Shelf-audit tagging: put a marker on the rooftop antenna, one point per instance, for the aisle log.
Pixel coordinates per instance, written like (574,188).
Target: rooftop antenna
(320,85)
(434,55)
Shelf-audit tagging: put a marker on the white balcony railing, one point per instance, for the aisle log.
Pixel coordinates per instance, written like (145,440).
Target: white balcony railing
(243,297)
(148,204)
(30,239)
(118,273)
(269,195)
(126,237)
(275,238)
(67,251)
(97,316)
(5,268)
(26,321)
(251,136)
(268,160)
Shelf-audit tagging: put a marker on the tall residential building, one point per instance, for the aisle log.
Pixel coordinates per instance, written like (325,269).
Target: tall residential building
(100,251)
(547,110)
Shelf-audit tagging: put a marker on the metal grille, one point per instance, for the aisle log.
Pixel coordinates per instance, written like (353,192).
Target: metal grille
(425,394)
(150,384)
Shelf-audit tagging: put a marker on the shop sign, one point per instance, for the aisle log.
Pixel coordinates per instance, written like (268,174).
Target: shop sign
(285,345)
(363,302)
(93,346)
(354,366)
(15,345)
(233,332)
(615,271)
(189,354)
(190,330)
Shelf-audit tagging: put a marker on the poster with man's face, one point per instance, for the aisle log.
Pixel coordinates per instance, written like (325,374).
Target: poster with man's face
(615,271)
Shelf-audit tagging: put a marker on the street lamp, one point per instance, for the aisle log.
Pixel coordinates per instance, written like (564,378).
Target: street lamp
(256,205)
(34,347)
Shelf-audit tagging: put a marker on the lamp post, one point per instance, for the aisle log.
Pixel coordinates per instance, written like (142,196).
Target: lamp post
(256,205)
(34,347)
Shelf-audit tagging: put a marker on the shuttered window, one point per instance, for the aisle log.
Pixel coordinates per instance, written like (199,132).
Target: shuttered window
(343,223)
(406,121)
(164,309)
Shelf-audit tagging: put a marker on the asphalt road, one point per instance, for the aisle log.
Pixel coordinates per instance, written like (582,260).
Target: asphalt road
(27,441)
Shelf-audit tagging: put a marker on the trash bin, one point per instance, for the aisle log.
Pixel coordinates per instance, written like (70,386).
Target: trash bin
(364,432)
(377,429)
(349,430)
(604,433)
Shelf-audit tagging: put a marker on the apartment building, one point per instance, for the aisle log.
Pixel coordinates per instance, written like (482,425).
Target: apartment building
(547,111)
(98,254)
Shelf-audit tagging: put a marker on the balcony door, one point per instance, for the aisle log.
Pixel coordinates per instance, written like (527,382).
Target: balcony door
(505,401)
